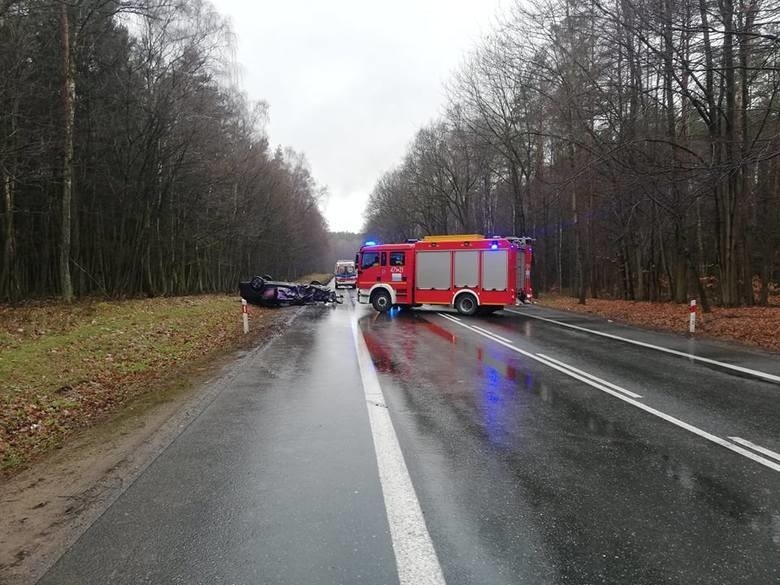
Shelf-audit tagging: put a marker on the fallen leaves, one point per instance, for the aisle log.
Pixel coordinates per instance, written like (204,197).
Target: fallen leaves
(756,326)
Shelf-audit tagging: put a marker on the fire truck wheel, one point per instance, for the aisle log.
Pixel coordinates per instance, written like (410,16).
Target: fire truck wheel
(381,301)
(466,304)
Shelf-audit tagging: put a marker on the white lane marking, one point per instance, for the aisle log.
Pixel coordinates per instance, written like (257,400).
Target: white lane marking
(755,373)
(493,334)
(759,448)
(675,421)
(591,376)
(415,556)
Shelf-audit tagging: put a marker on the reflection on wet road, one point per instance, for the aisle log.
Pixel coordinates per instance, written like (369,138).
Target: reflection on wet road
(527,475)
(418,447)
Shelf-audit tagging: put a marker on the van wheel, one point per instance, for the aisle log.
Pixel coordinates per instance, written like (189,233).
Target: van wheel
(466,304)
(381,301)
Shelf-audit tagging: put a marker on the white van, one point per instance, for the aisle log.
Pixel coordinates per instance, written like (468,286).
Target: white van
(345,273)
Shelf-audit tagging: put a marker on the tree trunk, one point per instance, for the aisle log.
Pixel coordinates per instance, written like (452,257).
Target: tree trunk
(578,248)
(7,288)
(729,193)
(639,293)
(68,107)
(702,292)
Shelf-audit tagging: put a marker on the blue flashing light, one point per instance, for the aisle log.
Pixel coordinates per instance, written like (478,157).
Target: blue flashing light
(494,246)
(370,243)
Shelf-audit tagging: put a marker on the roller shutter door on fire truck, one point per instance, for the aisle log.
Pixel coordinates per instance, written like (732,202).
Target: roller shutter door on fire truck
(433,270)
(466,269)
(494,270)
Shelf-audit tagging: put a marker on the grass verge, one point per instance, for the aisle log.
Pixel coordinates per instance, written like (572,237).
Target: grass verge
(755,326)
(64,367)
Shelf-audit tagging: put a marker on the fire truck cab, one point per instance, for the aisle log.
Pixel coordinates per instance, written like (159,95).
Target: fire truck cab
(469,272)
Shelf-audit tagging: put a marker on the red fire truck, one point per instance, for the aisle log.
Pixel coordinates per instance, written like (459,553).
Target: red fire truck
(470,272)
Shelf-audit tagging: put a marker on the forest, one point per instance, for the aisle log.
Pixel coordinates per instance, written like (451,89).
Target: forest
(131,163)
(636,140)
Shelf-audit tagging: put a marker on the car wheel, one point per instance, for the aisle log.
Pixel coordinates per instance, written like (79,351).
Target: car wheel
(381,301)
(466,304)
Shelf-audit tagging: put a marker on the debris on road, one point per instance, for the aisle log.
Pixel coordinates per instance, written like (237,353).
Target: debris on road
(266,292)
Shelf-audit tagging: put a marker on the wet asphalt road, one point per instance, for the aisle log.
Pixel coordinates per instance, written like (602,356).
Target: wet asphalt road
(524,473)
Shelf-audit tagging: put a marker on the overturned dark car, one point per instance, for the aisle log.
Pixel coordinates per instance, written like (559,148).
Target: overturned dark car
(264,291)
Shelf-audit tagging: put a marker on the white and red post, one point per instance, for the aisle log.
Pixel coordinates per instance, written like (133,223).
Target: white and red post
(245,315)
(692,319)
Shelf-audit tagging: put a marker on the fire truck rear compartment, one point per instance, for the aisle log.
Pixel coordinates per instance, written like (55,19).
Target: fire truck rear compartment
(434,269)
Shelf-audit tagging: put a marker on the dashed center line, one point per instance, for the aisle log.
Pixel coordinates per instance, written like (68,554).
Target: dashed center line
(759,448)
(608,388)
(755,373)
(492,334)
(592,377)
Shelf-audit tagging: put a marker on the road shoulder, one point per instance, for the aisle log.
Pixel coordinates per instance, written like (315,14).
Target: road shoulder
(46,507)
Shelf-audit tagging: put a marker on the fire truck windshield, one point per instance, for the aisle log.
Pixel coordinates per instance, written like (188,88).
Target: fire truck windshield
(369,259)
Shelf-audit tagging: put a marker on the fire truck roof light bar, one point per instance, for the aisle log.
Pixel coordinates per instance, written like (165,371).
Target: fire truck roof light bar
(454,238)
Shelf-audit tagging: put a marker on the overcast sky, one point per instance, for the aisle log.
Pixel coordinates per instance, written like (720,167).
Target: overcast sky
(349,82)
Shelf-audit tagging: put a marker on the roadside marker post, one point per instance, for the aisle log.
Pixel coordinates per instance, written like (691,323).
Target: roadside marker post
(245,315)
(692,320)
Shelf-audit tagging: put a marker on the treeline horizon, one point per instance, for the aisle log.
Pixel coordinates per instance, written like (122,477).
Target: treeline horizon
(637,141)
(131,164)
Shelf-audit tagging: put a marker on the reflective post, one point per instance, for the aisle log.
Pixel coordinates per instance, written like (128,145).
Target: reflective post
(692,321)
(245,315)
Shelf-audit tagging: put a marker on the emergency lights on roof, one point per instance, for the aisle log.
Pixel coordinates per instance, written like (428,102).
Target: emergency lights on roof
(370,243)
(494,246)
